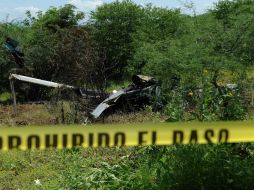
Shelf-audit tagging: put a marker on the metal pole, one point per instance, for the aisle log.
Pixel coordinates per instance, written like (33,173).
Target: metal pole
(14,97)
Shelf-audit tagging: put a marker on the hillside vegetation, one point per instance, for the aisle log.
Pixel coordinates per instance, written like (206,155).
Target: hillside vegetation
(193,57)
(183,52)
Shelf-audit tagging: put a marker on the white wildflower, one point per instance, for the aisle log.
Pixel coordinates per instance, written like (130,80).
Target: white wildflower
(37,182)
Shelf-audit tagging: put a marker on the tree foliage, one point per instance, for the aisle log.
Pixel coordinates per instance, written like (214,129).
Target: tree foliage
(122,38)
(114,24)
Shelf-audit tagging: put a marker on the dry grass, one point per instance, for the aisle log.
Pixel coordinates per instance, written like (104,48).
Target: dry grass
(39,114)
(27,114)
(136,117)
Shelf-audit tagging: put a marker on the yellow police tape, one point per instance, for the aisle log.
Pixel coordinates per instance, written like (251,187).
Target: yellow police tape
(23,138)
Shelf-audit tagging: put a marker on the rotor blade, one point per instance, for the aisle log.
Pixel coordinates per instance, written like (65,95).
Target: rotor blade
(39,81)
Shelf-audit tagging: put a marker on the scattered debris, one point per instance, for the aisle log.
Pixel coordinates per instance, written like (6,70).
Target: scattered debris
(11,45)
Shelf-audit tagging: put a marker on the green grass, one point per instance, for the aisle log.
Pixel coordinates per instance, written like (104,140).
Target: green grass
(117,85)
(169,167)
(152,167)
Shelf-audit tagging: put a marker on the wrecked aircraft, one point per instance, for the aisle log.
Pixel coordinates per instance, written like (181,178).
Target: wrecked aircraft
(135,96)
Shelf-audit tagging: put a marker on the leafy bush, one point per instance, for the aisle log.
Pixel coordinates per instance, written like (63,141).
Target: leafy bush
(5,97)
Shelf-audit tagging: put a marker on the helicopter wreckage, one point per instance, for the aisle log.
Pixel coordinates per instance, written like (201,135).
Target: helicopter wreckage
(138,93)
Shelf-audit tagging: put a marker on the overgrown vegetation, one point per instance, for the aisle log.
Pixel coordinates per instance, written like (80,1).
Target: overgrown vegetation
(174,167)
(193,57)
(123,38)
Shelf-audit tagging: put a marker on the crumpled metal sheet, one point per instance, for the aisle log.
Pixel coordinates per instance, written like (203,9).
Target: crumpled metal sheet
(106,103)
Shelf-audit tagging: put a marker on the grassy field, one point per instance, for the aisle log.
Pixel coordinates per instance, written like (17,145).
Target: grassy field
(152,167)
(172,167)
